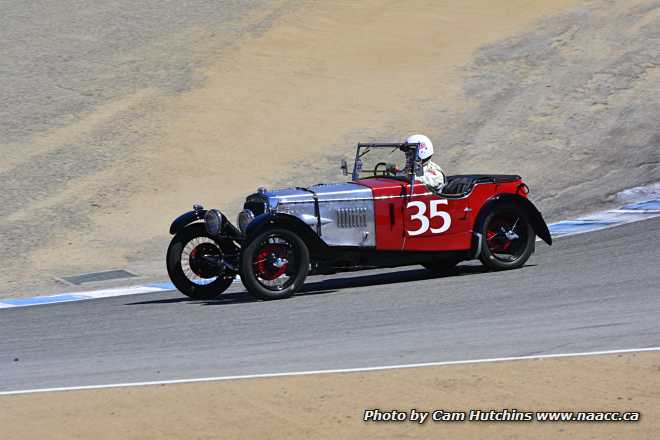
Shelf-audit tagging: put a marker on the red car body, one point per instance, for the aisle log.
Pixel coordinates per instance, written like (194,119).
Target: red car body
(397,214)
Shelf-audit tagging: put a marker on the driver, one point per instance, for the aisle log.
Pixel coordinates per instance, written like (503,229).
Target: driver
(432,176)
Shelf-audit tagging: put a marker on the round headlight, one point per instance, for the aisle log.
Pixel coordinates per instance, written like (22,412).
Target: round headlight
(244,219)
(213,222)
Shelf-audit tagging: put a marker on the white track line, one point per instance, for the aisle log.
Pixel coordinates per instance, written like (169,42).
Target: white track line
(336,371)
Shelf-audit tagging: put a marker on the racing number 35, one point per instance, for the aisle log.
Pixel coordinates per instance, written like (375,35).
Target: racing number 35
(425,220)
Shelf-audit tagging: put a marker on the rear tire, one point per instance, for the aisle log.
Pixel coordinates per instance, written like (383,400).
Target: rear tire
(508,238)
(194,282)
(274,264)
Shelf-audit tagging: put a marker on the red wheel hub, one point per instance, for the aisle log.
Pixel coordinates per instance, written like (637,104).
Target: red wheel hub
(495,235)
(196,261)
(265,260)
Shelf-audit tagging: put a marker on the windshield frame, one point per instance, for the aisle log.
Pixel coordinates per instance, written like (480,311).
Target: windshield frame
(364,148)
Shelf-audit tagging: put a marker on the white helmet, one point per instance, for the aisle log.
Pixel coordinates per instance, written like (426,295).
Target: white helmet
(425,150)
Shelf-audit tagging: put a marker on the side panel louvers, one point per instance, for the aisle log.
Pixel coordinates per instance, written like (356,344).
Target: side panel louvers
(351,217)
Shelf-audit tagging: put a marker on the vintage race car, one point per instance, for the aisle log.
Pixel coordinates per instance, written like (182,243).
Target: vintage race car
(382,217)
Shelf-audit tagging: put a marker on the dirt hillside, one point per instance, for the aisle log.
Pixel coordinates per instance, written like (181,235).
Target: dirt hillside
(564,92)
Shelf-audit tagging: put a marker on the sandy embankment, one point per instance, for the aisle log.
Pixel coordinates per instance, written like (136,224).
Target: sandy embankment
(274,105)
(569,102)
(329,75)
(331,406)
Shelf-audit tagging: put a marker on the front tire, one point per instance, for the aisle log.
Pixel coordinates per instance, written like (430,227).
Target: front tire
(187,271)
(508,238)
(274,264)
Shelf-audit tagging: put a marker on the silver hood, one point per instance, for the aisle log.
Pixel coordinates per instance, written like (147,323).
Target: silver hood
(346,210)
(324,192)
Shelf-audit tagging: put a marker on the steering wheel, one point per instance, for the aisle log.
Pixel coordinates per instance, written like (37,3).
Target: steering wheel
(384,172)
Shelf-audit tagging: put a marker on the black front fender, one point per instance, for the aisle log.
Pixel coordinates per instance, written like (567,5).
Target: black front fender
(535,217)
(185,219)
(228,231)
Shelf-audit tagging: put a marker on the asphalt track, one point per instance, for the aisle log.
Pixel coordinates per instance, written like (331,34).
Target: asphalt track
(595,291)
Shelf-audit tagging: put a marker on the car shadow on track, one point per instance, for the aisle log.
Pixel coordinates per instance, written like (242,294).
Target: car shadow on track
(394,277)
(334,285)
(226,298)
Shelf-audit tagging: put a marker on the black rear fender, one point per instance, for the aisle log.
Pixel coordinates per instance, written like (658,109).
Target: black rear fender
(535,217)
(264,222)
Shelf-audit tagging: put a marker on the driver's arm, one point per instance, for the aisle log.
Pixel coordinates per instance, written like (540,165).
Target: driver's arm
(433,178)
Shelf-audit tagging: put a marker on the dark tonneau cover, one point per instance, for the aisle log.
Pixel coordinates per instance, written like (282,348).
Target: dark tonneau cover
(463,183)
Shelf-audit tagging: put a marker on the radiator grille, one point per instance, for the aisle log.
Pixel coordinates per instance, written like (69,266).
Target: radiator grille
(352,217)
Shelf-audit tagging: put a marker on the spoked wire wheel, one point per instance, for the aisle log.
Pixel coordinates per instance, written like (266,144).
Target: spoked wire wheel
(195,259)
(274,264)
(508,238)
(192,263)
(271,263)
